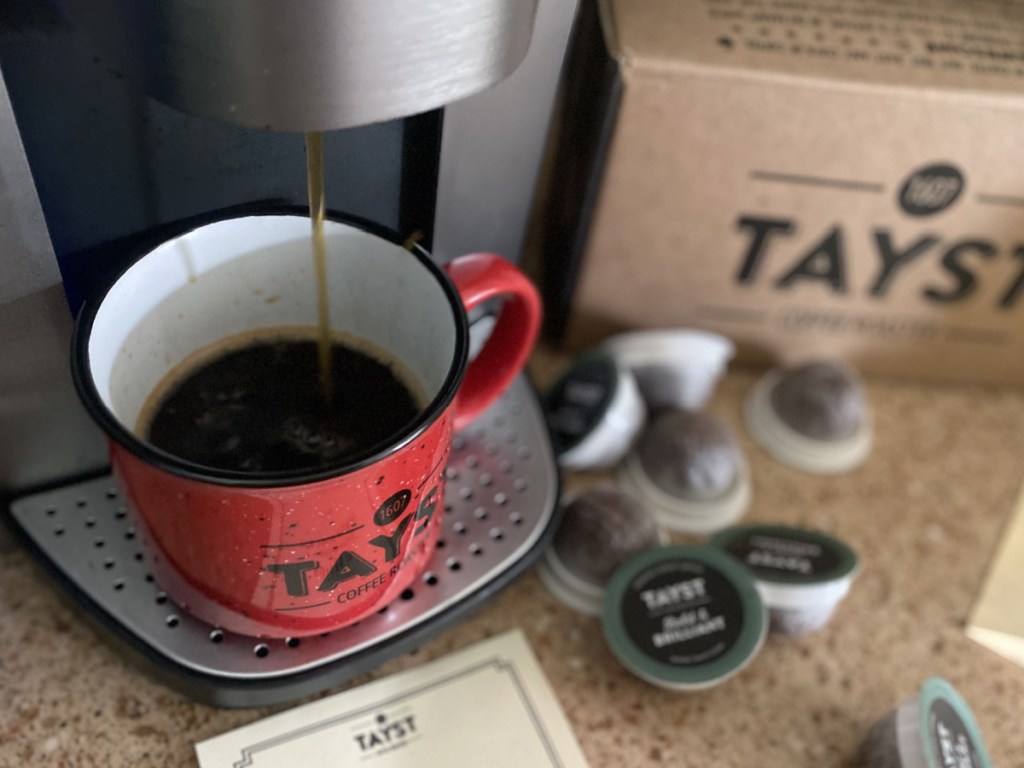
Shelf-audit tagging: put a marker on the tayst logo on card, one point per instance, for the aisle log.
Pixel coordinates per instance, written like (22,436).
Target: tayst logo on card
(386,734)
(785,252)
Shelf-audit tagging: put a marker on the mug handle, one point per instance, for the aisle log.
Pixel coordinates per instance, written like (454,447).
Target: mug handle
(480,277)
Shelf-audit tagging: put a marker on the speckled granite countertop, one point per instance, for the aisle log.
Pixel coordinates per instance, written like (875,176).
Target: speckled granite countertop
(925,512)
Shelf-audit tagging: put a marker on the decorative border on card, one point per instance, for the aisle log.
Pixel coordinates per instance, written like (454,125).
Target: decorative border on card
(398,727)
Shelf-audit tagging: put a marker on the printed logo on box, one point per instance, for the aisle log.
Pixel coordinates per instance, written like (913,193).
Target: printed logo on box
(769,256)
(931,189)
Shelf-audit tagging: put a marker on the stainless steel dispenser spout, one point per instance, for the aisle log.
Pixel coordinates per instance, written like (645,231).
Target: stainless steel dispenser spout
(301,65)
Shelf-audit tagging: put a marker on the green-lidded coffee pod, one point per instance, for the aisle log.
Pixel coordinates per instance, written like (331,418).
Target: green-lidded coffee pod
(933,729)
(683,618)
(802,575)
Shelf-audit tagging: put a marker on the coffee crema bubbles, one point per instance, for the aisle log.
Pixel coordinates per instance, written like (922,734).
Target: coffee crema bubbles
(254,403)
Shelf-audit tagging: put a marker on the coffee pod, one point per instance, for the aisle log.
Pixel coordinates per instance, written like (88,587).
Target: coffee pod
(600,529)
(594,411)
(690,469)
(676,368)
(683,618)
(814,417)
(933,729)
(801,575)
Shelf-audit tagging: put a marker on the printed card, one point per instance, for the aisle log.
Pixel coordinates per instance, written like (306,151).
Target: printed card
(489,704)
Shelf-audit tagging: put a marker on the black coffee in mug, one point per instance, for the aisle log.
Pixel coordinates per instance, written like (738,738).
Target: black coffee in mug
(254,403)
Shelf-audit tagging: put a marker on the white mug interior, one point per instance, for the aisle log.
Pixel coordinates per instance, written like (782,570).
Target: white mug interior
(257,272)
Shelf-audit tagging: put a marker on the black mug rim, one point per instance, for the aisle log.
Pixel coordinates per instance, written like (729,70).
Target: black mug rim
(85,386)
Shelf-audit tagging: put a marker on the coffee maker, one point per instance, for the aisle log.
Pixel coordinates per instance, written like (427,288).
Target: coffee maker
(122,121)
(120,117)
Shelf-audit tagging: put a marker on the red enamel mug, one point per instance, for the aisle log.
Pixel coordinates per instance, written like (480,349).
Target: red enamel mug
(288,554)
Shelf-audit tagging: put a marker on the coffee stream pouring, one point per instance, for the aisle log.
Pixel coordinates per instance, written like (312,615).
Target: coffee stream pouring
(332,65)
(432,116)
(441,99)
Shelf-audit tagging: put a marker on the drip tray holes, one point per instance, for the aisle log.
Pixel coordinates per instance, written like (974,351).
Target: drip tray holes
(495,507)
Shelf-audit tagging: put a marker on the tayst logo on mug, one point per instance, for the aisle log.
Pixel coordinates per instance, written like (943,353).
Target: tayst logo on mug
(298,572)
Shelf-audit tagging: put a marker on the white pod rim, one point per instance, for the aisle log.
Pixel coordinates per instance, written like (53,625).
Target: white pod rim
(790,447)
(689,515)
(572,590)
(569,588)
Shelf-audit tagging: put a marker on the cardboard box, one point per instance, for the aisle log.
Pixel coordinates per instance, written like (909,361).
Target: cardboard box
(808,178)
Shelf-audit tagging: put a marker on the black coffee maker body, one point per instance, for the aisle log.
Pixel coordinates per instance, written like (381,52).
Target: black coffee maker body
(120,119)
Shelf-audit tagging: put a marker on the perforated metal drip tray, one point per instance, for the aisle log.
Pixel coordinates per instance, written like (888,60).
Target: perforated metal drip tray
(500,502)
